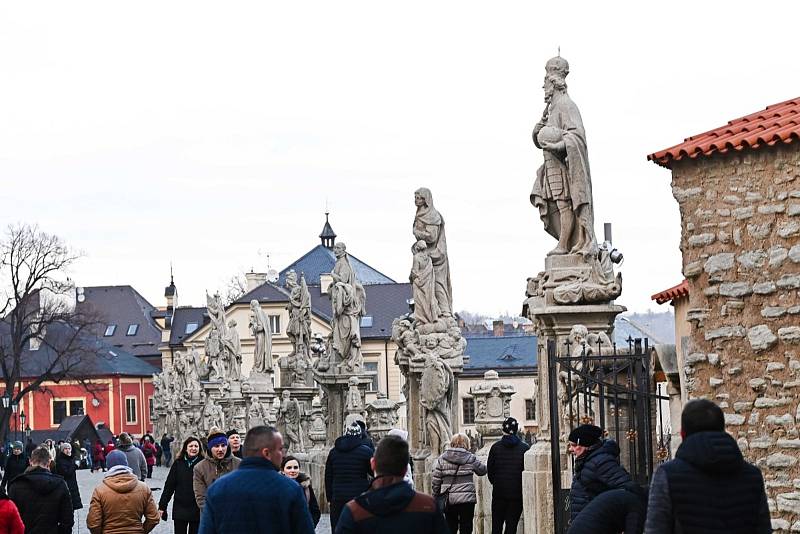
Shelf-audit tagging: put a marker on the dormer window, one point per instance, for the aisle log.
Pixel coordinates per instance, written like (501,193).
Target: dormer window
(132,329)
(190,327)
(366,321)
(110,329)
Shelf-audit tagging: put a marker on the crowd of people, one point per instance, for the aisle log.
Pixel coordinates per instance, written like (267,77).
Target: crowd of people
(222,484)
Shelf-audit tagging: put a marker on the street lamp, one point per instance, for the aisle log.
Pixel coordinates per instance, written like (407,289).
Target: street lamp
(27,433)
(6,400)
(14,407)
(22,418)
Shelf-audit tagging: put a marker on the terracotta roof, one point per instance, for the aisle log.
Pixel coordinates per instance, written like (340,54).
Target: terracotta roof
(681,290)
(777,123)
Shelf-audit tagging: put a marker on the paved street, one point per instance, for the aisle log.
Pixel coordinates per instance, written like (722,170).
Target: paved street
(87,482)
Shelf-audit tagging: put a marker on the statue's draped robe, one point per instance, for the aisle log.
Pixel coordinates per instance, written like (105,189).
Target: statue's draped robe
(429,227)
(426,308)
(347,301)
(262,353)
(564,114)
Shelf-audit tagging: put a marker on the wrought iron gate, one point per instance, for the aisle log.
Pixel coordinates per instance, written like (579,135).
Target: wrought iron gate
(613,390)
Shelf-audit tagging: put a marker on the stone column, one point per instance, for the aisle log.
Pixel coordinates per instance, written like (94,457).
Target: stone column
(553,322)
(492,402)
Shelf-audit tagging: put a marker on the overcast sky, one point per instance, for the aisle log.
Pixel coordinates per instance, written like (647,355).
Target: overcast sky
(213,134)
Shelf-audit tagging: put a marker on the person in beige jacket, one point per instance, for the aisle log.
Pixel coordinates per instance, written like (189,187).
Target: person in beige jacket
(121,501)
(218,461)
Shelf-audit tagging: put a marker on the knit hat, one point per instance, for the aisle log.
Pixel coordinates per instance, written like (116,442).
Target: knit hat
(510,426)
(116,458)
(216,437)
(353,430)
(17,445)
(125,439)
(586,435)
(230,433)
(399,432)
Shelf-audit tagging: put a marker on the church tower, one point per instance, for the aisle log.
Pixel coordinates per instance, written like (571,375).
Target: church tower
(328,236)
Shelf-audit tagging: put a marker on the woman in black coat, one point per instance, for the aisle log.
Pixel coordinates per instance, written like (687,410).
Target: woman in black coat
(185,512)
(291,469)
(66,467)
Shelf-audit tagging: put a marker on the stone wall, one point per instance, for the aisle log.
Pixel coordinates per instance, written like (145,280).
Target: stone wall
(740,217)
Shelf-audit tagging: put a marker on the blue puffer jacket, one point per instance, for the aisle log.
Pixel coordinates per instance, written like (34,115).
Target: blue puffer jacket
(255,498)
(347,470)
(598,470)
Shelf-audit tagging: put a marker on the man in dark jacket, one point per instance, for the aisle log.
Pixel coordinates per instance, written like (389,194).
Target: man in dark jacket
(347,470)
(15,465)
(597,467)
(136,459)
(42,498)
(505,465)
(391,505)
(257,497)
(708,488)
(166,446)
(611,512)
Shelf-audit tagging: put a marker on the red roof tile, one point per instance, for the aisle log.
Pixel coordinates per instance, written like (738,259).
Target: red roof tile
(681,290)
(777,123)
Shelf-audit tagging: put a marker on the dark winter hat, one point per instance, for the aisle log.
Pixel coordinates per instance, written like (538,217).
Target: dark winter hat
(116,458)
(230,433)
(510,426)
(125,439)
(16,445)
(353,430)
(586,435)
(216,438)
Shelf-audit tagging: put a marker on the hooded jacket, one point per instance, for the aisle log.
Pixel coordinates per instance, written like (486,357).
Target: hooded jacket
(10,521)
(180,483)
(596,471)
(65,466)
(256,498)
(15,465)
(43,501)
(119,503)
(347,469)
(708,488)
(136,460)
(452,474)
(209,470)
(313,506)
(505,465)
(392,507)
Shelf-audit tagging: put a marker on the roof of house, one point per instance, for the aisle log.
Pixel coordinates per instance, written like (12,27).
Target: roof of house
(89,357)
(186,317)
(680,290)
(320,260)
(123,306)
(384,303)
(779,123)
(71,427)
(501,353)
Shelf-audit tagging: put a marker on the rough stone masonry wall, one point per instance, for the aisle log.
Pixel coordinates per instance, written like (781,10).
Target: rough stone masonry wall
(740,218)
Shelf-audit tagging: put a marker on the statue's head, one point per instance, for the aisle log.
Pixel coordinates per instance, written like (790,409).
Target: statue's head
(232,323)
(291,278)
(420,246)
(423,197)
(557,65)
(578,334)
(286,395)
(353,381)
(430,342)
(254,304)
(339,249)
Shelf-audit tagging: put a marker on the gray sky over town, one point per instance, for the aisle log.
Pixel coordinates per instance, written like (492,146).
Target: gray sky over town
(211,134)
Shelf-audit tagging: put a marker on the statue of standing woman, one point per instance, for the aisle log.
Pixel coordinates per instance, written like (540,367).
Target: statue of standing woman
(262,334)
(348,301)
(563,188)
(429,227)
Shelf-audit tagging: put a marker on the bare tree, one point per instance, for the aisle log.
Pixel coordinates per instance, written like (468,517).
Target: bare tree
(235,287)
(42,337)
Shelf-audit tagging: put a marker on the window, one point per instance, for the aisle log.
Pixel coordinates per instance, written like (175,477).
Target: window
(275,323)
(151,406)
(110,329)
(132,329)
(530,409)
(190,327)
(371,367)
(468,411)
(62,408)
(130,410)
(366,321)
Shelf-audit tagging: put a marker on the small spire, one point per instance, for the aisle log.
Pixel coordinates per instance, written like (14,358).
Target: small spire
(170,290)
(328,236)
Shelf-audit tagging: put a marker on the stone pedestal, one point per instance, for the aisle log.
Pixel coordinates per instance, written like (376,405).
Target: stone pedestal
(336,386)
(554,322)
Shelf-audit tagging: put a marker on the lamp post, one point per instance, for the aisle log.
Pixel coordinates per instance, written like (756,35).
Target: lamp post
(6,403)
(22,418)
(14,407)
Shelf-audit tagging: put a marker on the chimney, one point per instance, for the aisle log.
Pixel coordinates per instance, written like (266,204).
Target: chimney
(325,282)
(254,280)
(498,329)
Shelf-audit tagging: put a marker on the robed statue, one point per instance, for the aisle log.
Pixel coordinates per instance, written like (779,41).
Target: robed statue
(347,301)
(262,335)
(562,191)
(429,228)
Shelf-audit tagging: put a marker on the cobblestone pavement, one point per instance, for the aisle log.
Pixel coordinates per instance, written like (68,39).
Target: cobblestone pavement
(87,482)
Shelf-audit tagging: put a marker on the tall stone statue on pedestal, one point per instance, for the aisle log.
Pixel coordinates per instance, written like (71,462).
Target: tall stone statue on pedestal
(429,228)
(348,301)
(262,335)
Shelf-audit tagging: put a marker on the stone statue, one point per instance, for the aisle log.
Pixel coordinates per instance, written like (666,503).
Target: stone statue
(563,188)
(193,369)
(262,334)
(436,395)
(426,307)
(317,430)
(299,307)
(233,346)
(216,312)
(354,402)
(429,227)
(258,414)
(179,367)
(347,300)
(214,354)
(289,417)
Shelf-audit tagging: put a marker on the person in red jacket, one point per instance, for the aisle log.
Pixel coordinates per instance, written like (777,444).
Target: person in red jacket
(149,451)
(10,521)
(98,456)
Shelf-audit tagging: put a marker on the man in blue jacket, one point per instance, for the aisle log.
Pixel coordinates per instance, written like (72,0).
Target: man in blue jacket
(256,497)
(347,470)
